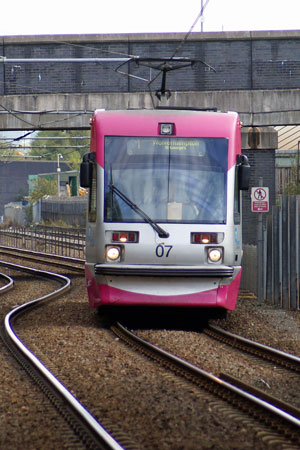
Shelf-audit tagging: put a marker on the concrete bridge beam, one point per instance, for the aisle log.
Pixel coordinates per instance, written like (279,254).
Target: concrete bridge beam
(60,111)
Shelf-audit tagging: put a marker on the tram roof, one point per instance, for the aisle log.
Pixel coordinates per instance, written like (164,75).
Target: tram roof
(188,123)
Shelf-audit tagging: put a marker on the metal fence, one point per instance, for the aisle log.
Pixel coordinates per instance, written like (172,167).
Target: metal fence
(58,241)
(281,263)
(249,272)
(70,210)
(279,268)
(274,272)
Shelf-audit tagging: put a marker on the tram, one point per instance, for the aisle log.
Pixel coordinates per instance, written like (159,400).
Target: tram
(164,208)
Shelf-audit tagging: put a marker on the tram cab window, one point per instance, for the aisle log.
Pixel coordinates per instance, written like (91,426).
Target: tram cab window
(181,180)
(237,200)
(92,204)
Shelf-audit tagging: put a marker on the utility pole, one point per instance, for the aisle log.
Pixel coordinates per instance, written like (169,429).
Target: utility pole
(59,155)
(298,155)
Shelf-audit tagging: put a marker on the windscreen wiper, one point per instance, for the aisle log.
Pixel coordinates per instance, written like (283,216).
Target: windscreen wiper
(161,233)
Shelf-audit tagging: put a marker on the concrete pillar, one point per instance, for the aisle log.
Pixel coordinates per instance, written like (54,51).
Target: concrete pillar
(259,144)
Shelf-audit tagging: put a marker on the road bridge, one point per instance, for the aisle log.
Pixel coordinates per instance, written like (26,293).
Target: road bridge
(56,82)
(45,85)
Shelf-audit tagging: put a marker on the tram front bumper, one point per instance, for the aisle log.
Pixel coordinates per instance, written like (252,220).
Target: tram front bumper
(164,271)
(163,285)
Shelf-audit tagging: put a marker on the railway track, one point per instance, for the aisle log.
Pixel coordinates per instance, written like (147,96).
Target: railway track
(49,239)
(8,283)
(273,355)
(91,432)
(280,418)
(63,262)
(288,432)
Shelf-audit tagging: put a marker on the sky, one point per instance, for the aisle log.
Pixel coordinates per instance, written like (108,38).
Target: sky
(32,17)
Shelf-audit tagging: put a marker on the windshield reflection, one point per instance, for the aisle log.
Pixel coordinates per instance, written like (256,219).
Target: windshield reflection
(170,179)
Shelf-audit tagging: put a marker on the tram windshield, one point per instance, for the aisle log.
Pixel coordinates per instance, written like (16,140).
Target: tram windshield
(178,180)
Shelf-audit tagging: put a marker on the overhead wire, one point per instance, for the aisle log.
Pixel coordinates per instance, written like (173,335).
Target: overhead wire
(191,29)
(96,48)
(181,45)
(7,146)
(15,114)
(40,126)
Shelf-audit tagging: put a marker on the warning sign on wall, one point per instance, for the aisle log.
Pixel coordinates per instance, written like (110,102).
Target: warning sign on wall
(260,199)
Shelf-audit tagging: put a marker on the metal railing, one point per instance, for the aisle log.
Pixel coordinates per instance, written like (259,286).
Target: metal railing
(279,264)
(58,241)
(282,253)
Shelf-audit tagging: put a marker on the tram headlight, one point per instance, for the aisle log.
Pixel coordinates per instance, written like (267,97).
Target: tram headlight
(113,254)
(215,255)
(167,128)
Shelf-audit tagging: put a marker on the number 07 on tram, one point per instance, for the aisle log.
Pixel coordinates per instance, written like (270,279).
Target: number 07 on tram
(164,208)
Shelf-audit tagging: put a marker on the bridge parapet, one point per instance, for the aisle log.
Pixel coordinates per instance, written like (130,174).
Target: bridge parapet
(256,74)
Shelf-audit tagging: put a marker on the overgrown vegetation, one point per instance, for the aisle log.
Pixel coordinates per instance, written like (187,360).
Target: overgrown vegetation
(293,186)
(43,186)
(59,224)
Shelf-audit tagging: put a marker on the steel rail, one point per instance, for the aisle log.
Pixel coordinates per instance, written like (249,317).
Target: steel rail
(253,347)
(207,376)
(290,409)
(8,285)
(10,251)
(104,439)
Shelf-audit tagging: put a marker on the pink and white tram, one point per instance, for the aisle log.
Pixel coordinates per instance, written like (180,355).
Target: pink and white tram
(164,210)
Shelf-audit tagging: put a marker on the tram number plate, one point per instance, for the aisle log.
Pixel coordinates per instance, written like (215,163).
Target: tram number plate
(163,250)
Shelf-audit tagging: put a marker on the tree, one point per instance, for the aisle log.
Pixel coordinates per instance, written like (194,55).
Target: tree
(71,144)
(9,150)
(43,186)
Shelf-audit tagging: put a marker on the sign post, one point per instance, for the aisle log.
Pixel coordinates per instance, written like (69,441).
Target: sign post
(260,204)
(260,199)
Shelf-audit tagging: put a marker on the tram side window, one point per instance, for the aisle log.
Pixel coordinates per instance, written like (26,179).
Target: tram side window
(92,214)
(237,200)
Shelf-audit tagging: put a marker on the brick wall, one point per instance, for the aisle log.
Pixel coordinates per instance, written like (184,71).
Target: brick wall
(262,60)
(262,164)
(243,61)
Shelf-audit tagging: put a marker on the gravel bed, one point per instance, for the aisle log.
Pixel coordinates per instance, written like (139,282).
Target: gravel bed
(218,358)
(27,418)
(155,408)
(267,324)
